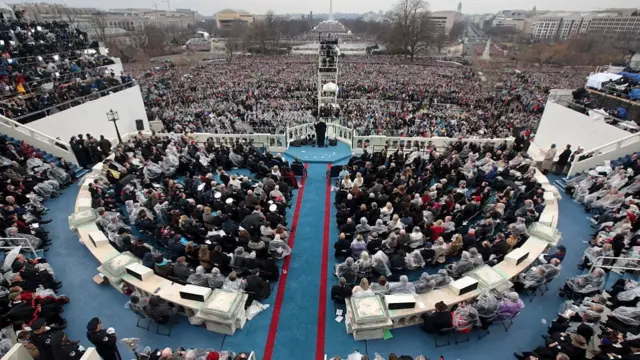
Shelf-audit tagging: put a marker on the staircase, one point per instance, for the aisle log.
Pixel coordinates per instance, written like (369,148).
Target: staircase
(48,158)
(561,183)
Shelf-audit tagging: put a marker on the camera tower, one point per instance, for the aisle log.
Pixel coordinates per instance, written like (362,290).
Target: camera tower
(328,78)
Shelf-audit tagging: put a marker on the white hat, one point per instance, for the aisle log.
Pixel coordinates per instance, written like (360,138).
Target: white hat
(229,201)
(217,195)
(273,208)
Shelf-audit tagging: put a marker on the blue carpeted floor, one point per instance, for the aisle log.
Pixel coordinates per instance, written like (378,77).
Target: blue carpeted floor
(311,154)
(297,330)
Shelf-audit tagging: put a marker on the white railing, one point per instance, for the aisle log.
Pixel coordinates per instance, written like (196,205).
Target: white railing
(271,142)
(372,143)
(611,151)
(25,248)
(37,139)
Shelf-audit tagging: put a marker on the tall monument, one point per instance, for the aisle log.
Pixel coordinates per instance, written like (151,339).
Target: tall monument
(330,9)
(460,7)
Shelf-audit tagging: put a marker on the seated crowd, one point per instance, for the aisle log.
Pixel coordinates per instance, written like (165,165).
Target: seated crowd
(46,64)
(211,229)
(30,299)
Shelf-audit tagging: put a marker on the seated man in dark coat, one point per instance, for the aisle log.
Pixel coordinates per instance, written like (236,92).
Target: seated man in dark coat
(340,292)
(438,320)
(258,287)
(159,311)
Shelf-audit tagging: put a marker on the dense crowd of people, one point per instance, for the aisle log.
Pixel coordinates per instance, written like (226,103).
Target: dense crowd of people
(213,229)
(30,299)
(378,95)
(48,65)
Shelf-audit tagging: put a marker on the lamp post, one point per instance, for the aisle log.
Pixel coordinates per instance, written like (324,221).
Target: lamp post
(113,117)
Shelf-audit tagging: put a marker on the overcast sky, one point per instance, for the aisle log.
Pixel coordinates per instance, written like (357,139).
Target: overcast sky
(209,7)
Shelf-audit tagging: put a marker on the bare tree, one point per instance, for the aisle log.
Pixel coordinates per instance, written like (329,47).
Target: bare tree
(439,41)
(236,39)
(273,29)
(99,25)
(69,15)
(151,40)
(411,26)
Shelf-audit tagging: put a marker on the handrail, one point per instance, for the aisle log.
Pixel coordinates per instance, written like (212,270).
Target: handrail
(613,267)
(53,141)
(29,247)
(133,82)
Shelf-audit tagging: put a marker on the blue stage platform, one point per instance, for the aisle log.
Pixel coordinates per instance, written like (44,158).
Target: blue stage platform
(326,155)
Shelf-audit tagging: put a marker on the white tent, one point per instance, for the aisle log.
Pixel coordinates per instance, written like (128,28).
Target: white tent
(595,81)
(330,87)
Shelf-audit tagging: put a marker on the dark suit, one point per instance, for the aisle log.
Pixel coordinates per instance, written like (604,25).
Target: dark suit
(436,321)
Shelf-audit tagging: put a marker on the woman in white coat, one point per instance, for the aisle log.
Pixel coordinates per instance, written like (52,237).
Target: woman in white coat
(549,156)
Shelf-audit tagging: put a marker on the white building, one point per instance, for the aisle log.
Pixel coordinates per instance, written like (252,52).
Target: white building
(443,20)
(563,25)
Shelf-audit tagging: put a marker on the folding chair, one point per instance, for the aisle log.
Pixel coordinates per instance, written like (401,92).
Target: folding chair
(486,321)
(141,318)
(463,333)
(532,292)
(444,333)
(507,322)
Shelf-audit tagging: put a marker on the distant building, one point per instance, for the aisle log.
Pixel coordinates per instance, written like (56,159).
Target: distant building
(563,25)
(227,17)
(443,20)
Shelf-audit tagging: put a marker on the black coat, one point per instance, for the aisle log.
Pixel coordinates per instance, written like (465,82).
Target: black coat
(436,321)
(106,344)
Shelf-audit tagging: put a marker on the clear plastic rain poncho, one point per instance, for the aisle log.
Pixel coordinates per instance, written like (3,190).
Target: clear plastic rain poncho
(199,278)
(630,259)
(632,291)
(59,175)
(24,240)
(381,264)
(36,165)
(152,171)
(465,317)
(363,228)
(611,201)
(402,287)
(442,279)
(47,189)
(628,315)
(170,164)
(533,277)
(486,305)
(5,161)
(461,266)
(364,263)
(216,279)
(550,271)
(582,188)
(592,253)
(278,248)
(416,238)
(475,257)
(586,283)
(378,227)
(348,269)
(414,260)
(425,284)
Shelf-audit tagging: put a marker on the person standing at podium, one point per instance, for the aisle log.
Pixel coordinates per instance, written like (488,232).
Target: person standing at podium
(321,129)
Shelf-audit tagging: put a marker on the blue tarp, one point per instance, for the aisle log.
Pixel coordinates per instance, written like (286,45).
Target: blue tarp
(635,94)
(635,78)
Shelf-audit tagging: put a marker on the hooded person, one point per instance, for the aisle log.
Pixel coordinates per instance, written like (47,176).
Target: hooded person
(532,278)
(475,257)
(584,284)
(381,264)
(216,279)
(442,279)
(510,306)
(460,267)
(402,287)
(414,260)
(363,228)
(465,317)
(378,227)
(424,284)
(348,269)
(199,278)
(487,305)
(278,248)
(416,238)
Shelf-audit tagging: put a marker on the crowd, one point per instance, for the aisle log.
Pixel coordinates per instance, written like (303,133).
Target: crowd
(213,229)
(48,65)
(378,95)
(30,299)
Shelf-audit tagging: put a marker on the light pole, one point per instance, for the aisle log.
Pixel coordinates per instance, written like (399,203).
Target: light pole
(113,117)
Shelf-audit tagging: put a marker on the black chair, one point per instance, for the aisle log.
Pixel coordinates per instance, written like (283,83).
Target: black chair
(531,292)
(486,322)
(462,334)
(507,322)
(444,333)
(141,319)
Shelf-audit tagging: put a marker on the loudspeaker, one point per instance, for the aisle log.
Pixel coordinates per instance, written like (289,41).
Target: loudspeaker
(463,286)
(333,142)
(296,143)
(139,124)
(516,256)
(139,271)
(395,302)
(195,293)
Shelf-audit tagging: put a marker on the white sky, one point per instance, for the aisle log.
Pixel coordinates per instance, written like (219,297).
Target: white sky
(209,7)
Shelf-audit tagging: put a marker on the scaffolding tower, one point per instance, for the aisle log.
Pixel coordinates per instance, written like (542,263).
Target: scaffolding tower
(328,54)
